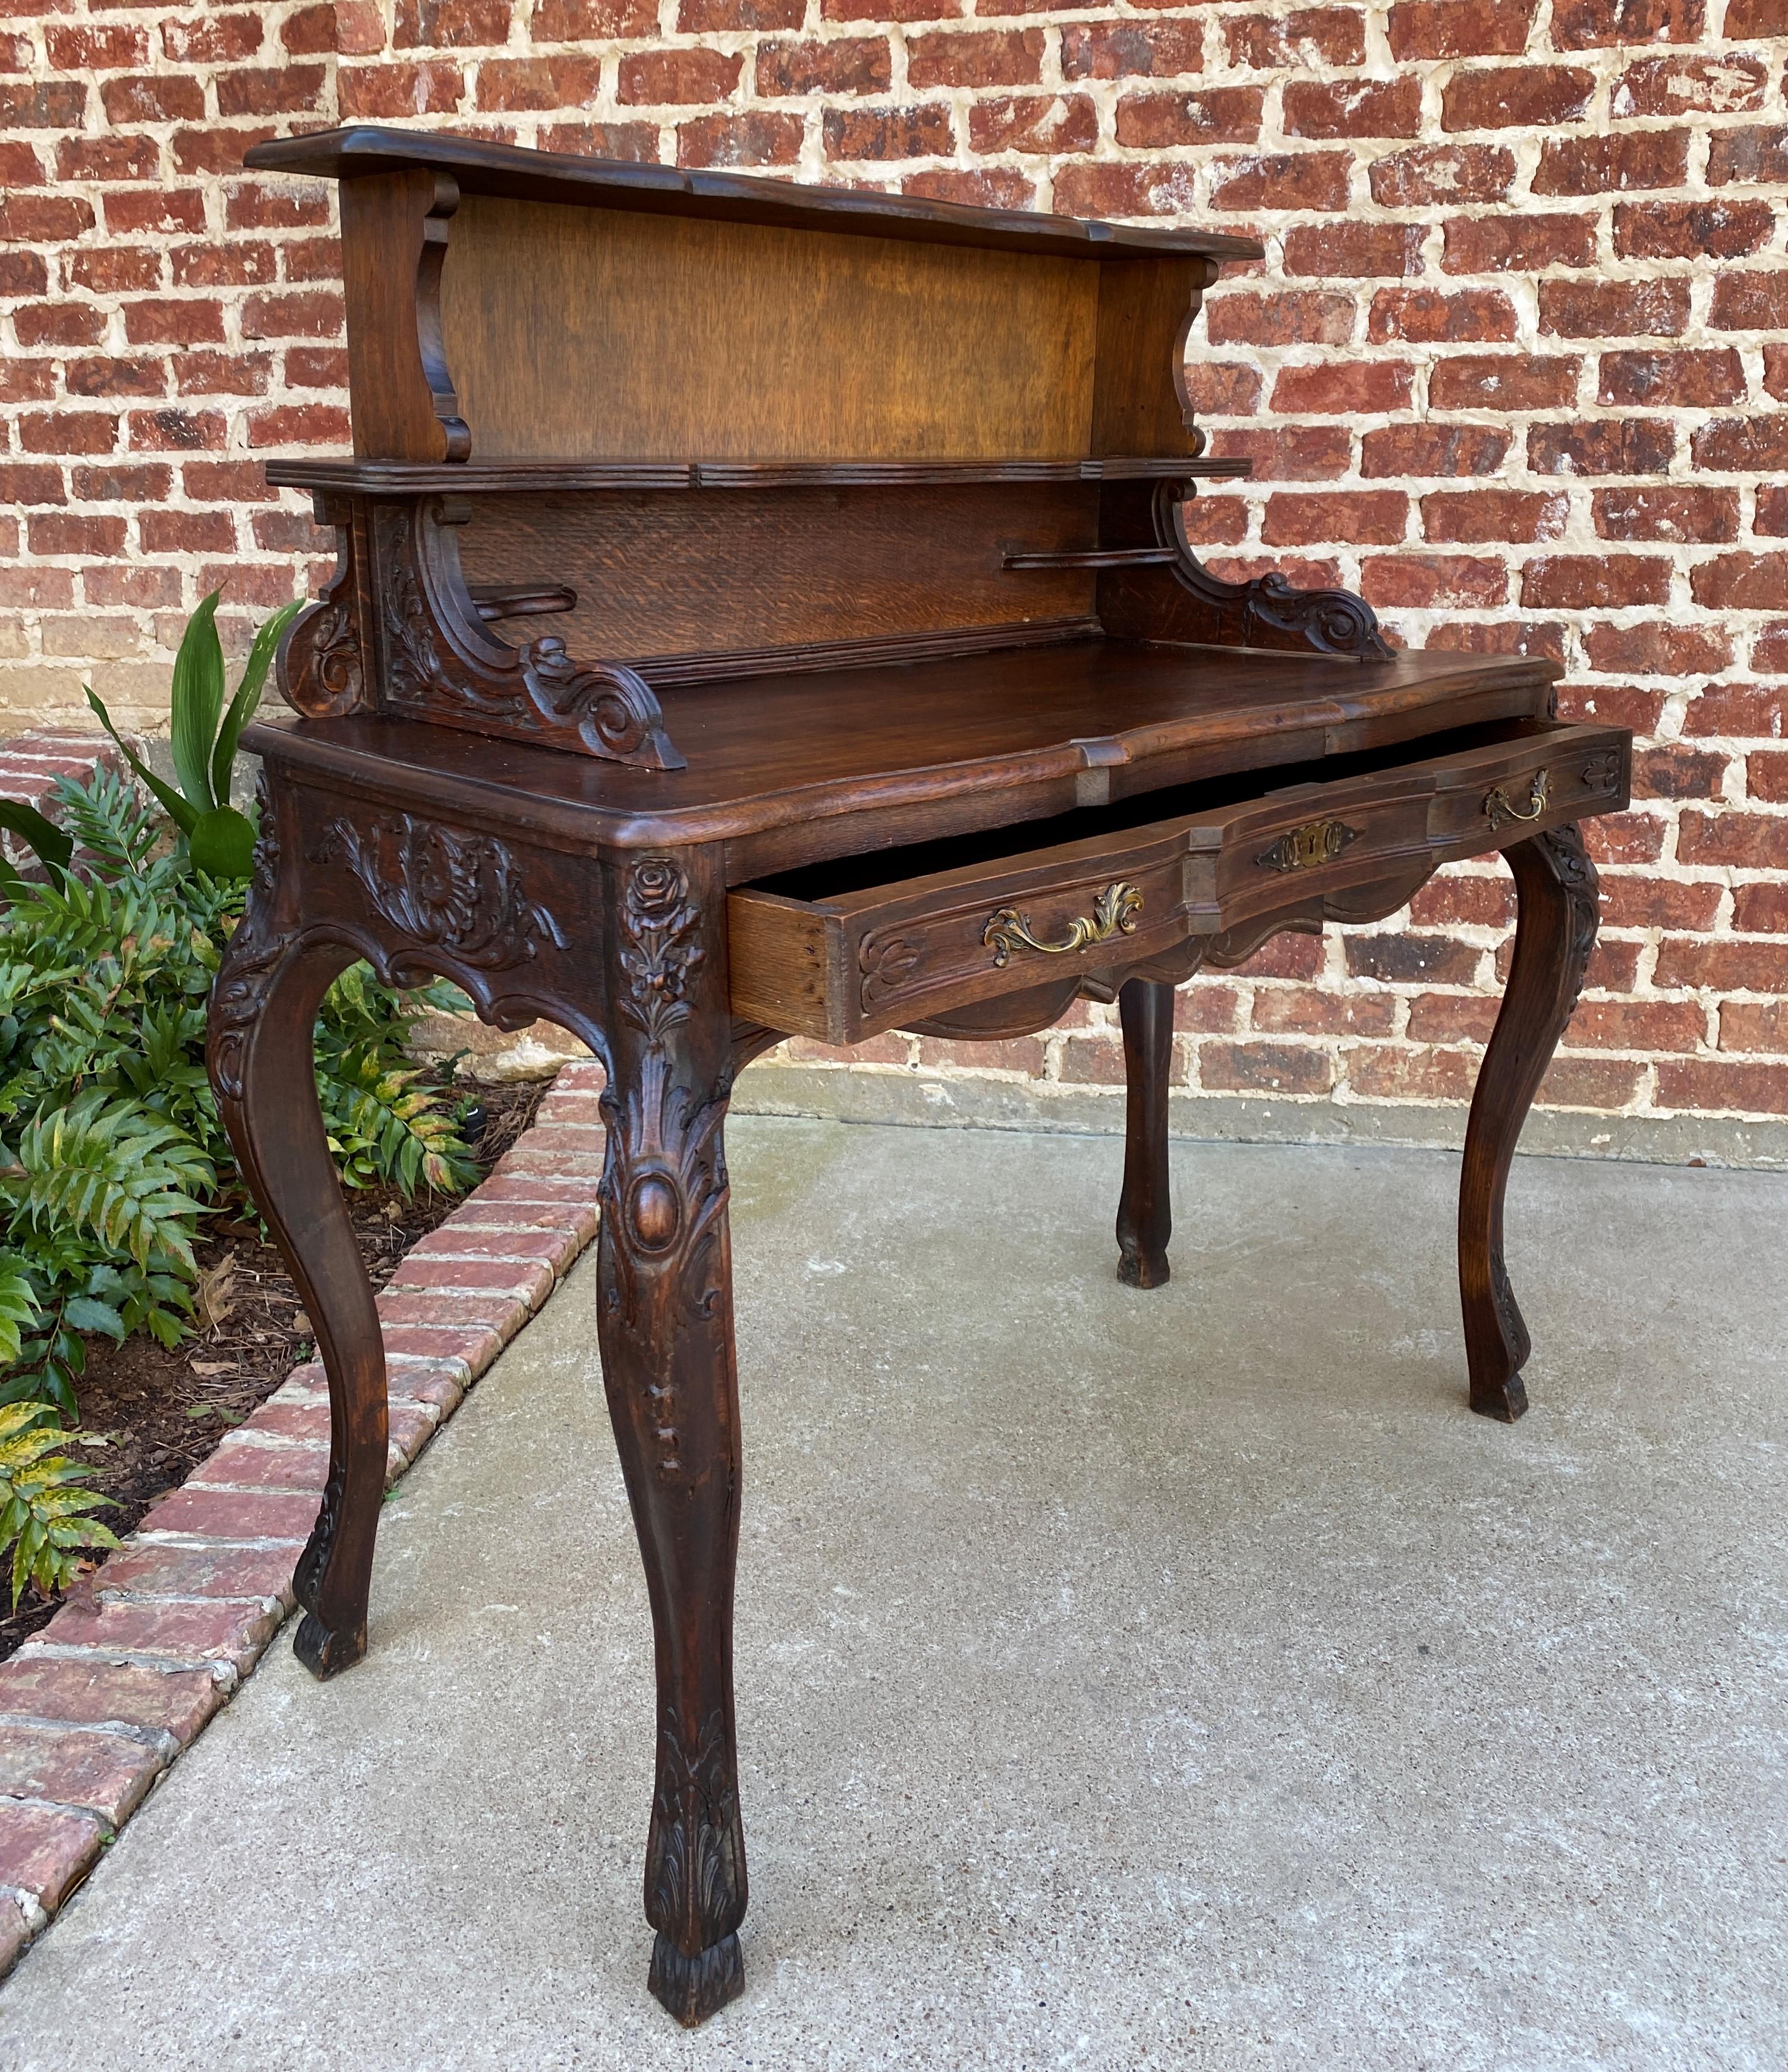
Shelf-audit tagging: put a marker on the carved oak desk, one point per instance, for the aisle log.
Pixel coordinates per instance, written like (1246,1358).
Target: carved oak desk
(904,705)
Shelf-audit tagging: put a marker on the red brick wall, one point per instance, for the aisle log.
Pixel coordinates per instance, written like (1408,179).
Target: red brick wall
(1519,358)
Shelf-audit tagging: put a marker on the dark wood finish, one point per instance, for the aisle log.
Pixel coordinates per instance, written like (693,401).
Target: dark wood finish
(394,240)
(1557,910)
(261,1033)
(664,1318)
(351,154)
(661,575)
(497,477)
(926,717)
(789,768)
(1144,1212)
(842,951)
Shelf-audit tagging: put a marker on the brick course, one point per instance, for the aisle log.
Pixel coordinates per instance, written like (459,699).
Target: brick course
(1520,346)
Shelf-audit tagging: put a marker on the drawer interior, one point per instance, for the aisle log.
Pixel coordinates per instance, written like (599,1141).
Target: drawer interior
(839,878)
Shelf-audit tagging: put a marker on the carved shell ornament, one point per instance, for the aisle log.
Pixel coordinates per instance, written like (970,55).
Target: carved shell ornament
(461,893)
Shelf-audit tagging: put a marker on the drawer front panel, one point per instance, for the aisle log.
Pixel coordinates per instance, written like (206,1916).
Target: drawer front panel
(846,966)
(1029,928)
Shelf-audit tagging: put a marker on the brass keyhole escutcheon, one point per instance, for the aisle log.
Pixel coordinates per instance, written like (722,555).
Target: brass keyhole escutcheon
(1115,912)
(1302,849)
(1500,810)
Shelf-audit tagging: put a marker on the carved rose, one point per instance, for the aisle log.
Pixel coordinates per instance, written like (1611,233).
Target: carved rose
(657,887)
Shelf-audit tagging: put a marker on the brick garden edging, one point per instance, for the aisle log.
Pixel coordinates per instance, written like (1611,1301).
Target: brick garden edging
(95,1707)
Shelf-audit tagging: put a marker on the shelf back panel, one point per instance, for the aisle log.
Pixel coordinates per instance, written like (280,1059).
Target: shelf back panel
(668,573)
(575,334)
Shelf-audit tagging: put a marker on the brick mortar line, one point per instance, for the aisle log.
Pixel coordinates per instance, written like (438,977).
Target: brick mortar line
(44,1850)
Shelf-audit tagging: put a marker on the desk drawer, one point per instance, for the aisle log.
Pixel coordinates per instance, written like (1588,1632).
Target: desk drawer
(839,952)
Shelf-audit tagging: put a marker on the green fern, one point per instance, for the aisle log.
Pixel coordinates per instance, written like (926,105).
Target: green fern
(112,1169)
(106,968)
(109,820)
(45,1508)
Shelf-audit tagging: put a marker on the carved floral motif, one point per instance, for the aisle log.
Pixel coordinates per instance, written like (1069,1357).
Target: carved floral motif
(657,956)
(1563,848)
(888,964)
(463,893)
(321,670)
(664,1186)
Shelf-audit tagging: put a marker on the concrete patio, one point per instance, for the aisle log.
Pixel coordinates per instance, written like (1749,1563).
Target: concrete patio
(1171,1679)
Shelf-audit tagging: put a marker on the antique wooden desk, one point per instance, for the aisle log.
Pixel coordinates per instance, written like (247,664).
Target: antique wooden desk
(899,702)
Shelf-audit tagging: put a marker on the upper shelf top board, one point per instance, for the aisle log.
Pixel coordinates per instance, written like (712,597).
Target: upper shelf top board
(509,170)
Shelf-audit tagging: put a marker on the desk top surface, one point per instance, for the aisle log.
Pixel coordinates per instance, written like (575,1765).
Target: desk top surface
(521,174)
(791,768)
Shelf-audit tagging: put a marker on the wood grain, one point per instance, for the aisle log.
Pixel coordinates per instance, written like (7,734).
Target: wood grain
(787,769)
(659,574)
(507,170)
(401,398)
(902,935)
(1141,404)
(582,334)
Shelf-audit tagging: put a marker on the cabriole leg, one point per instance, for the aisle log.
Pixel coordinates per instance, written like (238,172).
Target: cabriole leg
(665,1322)
(263,1021)
(1556,914)
(1144,1214)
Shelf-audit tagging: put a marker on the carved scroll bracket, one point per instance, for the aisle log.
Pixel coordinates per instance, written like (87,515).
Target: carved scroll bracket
(441,664)
(1268,611)
(1182,601)
(321,668)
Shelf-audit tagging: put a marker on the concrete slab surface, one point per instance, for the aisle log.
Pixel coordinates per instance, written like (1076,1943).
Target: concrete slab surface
(1182,1679)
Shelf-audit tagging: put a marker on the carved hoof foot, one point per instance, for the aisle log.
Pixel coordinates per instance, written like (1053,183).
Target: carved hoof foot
(1504,1404)
(691,1988)
(325,1652)
(1142,1270)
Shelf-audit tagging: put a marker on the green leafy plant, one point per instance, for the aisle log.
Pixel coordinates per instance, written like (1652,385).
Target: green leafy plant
(204,735)
(111,1153)
(45,1507)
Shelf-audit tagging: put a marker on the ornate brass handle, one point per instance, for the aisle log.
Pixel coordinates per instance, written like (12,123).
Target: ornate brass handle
(1499,809)
(1115,912)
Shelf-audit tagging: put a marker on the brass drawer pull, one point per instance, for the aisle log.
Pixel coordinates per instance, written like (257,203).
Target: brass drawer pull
(1316,841)
(1500,810)
(1115,912)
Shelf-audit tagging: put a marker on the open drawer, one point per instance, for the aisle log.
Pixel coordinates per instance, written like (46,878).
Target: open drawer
(843,950)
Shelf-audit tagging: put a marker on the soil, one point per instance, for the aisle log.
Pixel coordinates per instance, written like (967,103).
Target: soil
(150,1416)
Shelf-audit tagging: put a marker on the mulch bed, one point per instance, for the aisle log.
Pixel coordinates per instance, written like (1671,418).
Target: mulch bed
(150,1417)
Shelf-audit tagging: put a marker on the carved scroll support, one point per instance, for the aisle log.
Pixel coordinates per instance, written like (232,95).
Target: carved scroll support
(397,630)
(664,1317)
(440,661)
(1183,601)
(394,240)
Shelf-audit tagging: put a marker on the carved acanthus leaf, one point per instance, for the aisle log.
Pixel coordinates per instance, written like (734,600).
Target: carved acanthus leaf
(460,893)
(251,958)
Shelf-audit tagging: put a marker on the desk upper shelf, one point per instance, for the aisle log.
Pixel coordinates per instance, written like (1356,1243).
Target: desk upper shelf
(514,174)
(527,306)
